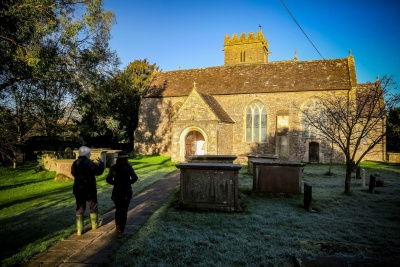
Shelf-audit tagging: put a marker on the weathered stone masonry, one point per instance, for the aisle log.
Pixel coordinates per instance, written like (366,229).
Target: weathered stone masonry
(210,104)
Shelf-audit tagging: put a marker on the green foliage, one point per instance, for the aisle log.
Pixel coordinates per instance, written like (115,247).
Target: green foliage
(7,136)
(112,108)
(51,52)
(36,211)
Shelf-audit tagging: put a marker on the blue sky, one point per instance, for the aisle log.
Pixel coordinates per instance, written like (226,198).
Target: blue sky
(190,34)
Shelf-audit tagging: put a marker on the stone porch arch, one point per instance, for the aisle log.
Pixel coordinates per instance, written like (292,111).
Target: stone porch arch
(182,140)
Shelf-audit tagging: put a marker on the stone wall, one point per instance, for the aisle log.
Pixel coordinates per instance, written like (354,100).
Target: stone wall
(225,139)
(245,49)
(158,133)
(153,134)
(393,157)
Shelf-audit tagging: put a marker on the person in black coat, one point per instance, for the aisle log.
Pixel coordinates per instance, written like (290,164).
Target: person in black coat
(121,176)
(84,171)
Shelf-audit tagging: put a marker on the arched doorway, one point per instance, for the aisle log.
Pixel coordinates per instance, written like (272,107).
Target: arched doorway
(194,143)
(313,152)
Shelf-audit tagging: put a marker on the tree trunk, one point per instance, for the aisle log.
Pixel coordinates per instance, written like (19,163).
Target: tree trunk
(330,160)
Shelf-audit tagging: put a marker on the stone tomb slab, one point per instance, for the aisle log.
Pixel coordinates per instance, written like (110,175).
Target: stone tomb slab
(210,158)
(209,186)
(259,157)
(277,177)
(64,167)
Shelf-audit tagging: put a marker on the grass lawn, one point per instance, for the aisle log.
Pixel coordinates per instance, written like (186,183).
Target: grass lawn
(36,211)
(275,229)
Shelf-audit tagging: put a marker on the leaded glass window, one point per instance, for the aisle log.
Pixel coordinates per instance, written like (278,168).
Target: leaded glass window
(256,123)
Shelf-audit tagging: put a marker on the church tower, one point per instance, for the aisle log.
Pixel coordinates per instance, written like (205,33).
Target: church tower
(245,50)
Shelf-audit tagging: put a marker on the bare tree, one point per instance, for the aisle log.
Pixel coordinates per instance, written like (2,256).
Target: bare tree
(355,121)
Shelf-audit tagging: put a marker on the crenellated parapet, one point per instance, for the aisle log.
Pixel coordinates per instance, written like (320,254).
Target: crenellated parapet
(251,38)
(245,49)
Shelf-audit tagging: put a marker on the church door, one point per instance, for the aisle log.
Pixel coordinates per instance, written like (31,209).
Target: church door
(313,152)
(194,143)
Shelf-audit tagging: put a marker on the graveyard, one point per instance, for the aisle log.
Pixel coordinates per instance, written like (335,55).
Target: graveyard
(269,229)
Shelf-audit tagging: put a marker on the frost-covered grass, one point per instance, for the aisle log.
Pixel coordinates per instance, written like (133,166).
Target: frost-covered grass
(36,211)
(275,229)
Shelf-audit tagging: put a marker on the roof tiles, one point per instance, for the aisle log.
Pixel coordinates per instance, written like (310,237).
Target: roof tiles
(281,76)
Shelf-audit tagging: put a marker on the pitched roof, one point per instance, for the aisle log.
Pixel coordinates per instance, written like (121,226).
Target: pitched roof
(370,99)
(218,110)
(281,76)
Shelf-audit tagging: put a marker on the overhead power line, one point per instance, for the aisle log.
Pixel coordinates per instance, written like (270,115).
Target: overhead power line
(287,9)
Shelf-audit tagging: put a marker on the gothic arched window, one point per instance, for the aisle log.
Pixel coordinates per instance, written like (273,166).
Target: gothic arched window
(256,123)
(313,109)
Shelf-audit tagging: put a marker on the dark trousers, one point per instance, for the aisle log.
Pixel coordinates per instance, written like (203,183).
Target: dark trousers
(121,211)
(81,204)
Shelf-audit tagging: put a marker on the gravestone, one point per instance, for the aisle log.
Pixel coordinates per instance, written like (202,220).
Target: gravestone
(95,153)
(362,177)
(277,177)
(259,157)
(68,153)
(307,197)
(63,170)
(372,183)
(111,156)
(358,170)
(210,158)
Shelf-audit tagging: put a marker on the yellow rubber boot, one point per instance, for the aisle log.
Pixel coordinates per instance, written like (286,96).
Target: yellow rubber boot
(94,219)
(79,225)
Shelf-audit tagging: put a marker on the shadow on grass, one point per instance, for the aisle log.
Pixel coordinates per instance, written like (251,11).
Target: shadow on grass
(39,223)
(38,196)
(52,218)
(16,185)
(148,165)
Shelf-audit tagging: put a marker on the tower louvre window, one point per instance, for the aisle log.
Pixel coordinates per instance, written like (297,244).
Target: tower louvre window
(243,56)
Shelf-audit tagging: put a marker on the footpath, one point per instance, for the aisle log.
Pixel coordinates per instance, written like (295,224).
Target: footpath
(95,247)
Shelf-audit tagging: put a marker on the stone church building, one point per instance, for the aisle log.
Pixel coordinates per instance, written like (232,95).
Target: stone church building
(247,106)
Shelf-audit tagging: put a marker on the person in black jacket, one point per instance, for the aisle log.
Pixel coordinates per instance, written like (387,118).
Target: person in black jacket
(122,176)
(84,171)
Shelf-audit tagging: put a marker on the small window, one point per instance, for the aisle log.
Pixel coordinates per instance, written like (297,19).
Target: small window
(243,56)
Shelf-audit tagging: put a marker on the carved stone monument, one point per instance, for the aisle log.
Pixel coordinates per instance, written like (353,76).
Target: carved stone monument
(277,177)
(209,186)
